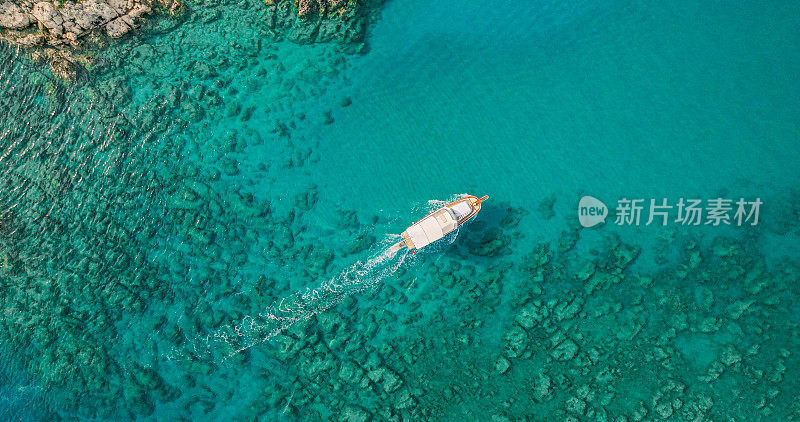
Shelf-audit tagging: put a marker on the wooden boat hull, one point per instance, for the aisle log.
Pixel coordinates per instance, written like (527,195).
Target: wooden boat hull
(439,223)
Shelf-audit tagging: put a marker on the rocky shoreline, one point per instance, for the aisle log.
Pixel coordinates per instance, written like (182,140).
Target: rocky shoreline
(58,32)
(28,23)
(54,23)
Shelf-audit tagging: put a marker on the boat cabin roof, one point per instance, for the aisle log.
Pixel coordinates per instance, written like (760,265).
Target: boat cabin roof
(462,210)
(432,228)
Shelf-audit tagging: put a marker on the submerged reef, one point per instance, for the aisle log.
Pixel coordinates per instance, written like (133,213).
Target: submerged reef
(307,21)
(711,337)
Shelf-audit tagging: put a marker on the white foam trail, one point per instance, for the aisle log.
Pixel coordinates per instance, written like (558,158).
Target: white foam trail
(251,330)
(438,203)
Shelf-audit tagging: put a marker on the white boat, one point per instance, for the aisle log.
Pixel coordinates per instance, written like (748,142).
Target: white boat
(439,223)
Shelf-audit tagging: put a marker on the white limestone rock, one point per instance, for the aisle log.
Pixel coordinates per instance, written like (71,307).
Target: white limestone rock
(117,28)
(13,16)
(45,13)
(30,40)
(73,19)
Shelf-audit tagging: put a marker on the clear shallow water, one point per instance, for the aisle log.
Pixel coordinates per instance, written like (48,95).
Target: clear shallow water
(527,100)
(223,244)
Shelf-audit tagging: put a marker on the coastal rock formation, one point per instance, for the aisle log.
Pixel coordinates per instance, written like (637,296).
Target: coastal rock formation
(30,22)
(68,34)
(64,23)
(12,16)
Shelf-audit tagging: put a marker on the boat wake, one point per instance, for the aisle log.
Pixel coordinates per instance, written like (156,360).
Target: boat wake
(252,330)
(434,204)
(232,338)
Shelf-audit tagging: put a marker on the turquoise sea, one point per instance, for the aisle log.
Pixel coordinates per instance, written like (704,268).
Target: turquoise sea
(195,227)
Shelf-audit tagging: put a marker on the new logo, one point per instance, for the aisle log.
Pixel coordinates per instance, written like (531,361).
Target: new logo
(591,211)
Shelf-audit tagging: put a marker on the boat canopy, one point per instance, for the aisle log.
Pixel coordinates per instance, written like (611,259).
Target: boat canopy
(431,228)
(462,210)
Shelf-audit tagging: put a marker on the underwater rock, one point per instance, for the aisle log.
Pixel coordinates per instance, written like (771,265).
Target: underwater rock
(385,378)
(714,371)
(316,364)
(515,341)
(542,387)
(576,406)
(184,199)
(287,347)
(567,240)
(704,297)
(708,325)
(531,315)
(545,207)
(492,243)
(585,271)
(63,67)
(736,309)
(566,350)
(501,365)
(567,310)
(307,21)
(307,199)
(623,255)
(540,256)
(361,243)
(350,373)
(353,413)
(115,89)
(730,356)
(404,400)
(664,410)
